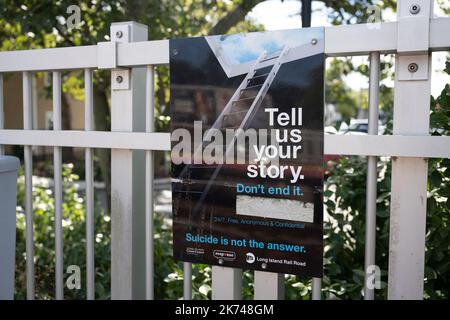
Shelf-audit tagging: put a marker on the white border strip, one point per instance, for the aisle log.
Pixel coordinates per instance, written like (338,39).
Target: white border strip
(54,59)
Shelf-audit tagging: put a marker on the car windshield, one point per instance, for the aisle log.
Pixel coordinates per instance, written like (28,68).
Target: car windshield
(358,127)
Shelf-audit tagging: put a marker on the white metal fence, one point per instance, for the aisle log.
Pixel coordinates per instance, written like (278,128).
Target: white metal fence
(131,59)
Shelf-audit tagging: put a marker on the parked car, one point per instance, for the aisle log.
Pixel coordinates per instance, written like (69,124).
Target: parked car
(360,127)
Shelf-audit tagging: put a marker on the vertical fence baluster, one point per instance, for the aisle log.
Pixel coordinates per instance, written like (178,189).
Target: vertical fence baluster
(89,126)
(28,159)
(150,127)
(316,288)
(187,281)
(57,166)
(371,184)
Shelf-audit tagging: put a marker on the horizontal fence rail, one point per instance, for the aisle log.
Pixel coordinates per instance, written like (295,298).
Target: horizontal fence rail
(158,141)
(356,145)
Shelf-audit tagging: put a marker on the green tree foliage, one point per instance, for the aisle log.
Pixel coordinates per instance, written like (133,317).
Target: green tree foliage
(337,92)
(348,101)
(42,24)
(437,262)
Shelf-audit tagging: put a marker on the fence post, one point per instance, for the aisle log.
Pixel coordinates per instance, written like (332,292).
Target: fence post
(127,170)
(409,175)
(226,283)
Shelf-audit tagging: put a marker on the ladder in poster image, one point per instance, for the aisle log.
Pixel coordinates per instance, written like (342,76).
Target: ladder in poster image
(242,107)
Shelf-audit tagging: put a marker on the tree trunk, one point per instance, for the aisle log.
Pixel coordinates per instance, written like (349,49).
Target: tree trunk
(306,13)
(236,15)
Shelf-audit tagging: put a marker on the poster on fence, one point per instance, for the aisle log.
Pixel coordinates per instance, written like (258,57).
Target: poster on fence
(247,150)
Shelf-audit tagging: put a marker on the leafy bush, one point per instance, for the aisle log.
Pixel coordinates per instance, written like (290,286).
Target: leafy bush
(168,275)
(74,241)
